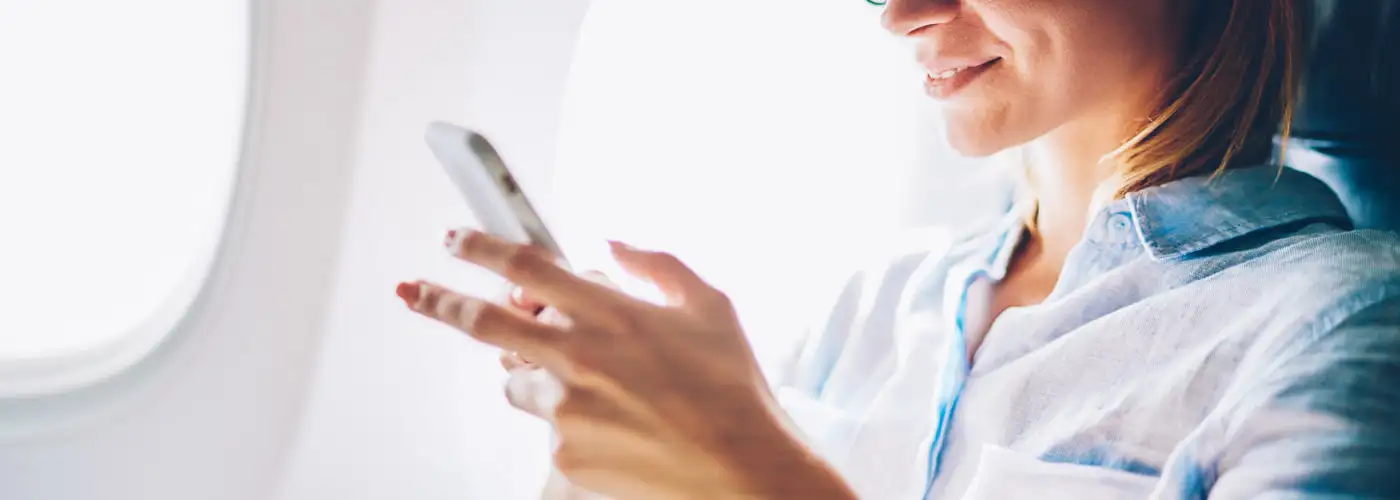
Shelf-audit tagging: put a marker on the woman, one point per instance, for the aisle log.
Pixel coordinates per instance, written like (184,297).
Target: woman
(1170,315)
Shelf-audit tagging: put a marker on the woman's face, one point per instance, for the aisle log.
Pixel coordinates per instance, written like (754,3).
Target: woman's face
(1010,71)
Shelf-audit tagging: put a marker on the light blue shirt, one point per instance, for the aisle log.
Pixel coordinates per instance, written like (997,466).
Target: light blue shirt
(1225,338)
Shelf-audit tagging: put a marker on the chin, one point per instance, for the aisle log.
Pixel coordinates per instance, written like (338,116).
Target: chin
(980,133)
(970,142)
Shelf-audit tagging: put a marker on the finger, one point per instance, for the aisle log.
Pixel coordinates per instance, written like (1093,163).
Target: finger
(532,268)
(599,278)
(552,316)
(680,284)
(525,301)
(534,391)
(510,361)
(484,321)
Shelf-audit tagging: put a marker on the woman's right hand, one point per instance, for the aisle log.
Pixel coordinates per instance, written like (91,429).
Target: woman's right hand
(533,390)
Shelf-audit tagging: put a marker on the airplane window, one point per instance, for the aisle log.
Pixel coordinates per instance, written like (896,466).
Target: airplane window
(121,127)
(767,144)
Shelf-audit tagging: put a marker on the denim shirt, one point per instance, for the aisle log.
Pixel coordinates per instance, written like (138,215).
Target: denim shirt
(1226,337)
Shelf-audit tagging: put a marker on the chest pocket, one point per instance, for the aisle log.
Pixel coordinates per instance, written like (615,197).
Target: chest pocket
(1003,474)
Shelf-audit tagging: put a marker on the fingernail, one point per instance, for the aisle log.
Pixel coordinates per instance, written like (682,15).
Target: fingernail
(409,292)
(618,245)
(451,238)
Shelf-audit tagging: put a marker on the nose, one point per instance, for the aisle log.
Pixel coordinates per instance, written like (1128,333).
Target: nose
(909,17)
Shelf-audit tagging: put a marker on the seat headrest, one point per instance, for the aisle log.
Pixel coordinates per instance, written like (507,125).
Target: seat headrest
(1347,129)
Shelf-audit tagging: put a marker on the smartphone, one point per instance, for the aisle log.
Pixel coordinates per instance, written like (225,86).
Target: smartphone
(491,192)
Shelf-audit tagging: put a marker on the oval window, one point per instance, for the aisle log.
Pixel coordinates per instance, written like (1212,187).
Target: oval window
(121,135)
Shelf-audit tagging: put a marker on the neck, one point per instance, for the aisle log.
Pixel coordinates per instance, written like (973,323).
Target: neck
(1072,181)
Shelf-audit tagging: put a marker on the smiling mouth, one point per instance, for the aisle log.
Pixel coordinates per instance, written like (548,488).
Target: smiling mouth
(948,82)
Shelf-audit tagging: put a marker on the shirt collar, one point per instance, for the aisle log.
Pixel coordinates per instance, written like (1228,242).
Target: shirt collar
(994,250)
(1191,214)
(1196,213)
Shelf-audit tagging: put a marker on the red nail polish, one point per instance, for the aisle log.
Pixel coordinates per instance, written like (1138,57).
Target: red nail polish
(450,238)
(408,292)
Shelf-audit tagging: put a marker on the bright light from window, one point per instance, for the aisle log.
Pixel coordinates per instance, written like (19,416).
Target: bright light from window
(767,143)
(120,124)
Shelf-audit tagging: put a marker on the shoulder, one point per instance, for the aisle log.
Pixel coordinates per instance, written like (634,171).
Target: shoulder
(1313,408)
(1345,285)
(1320,417)
(1319,275)
(1339,251)
(1349,270)
(1338,293)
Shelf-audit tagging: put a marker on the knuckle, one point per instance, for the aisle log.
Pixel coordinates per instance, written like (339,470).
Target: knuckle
(668,257)
(484,320)
(667,260)
(428,297)
(447,308)
(524,262)
(611,319)
(720,299)
(567,458)
(472,244)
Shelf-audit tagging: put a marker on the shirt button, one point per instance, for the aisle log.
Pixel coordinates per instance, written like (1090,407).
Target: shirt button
(1120,222)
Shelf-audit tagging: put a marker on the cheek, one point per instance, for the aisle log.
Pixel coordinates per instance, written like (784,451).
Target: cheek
(1007,110)
(1065,59)
(1030,93)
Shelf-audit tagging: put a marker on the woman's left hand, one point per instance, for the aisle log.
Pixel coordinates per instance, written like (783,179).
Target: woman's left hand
(657,401)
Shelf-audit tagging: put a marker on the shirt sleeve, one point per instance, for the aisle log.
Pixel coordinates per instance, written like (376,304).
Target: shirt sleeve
(1327,419)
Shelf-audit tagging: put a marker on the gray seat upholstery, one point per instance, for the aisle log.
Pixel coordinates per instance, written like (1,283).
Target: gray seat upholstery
(1347,131)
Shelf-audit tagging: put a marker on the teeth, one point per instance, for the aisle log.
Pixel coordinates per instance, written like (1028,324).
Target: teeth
(947,74)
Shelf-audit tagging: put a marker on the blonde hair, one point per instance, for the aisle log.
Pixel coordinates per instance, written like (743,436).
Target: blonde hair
(1237,87)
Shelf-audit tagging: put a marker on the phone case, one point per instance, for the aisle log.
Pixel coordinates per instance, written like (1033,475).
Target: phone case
(491,192)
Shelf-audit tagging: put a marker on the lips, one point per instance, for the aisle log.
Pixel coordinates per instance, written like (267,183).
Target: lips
(951,71)
(950,78)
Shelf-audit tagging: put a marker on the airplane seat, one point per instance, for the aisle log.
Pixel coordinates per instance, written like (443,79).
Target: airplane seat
(1347,129)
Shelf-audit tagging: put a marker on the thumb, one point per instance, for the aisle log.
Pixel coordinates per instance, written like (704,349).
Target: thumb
(669,274)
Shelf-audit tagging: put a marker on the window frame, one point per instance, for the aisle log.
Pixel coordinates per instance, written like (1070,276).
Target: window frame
(53,375)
